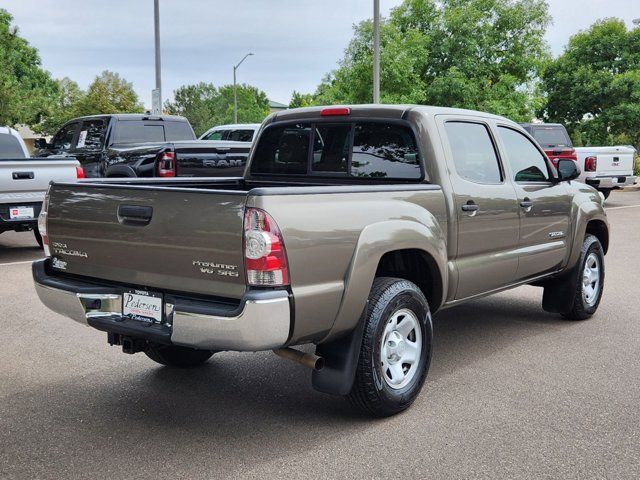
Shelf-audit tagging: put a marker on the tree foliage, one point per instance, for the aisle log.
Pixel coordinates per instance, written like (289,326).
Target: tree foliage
(594,86)
(26,89)
(108,93)
(301,100)
(480,54)
(206,105)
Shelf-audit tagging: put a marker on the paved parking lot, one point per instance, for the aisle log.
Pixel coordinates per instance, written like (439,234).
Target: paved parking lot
(513,392)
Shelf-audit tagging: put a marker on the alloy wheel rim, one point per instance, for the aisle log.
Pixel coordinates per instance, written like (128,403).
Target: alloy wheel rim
(591,279)
(400,348)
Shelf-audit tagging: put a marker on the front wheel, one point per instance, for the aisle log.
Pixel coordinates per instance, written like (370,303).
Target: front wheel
(396,348)
(588,293)
(175,356)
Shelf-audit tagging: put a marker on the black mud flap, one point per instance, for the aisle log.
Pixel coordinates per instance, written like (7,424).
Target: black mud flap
(559,292)
(341,360)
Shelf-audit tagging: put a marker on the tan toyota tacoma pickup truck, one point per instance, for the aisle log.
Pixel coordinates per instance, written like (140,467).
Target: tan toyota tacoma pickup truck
(350,227)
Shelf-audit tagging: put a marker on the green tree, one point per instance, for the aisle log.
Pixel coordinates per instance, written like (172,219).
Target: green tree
(594,86)
(480,54)
(27,91)
(64,107)
(301,100)
(205,105)
(108,93)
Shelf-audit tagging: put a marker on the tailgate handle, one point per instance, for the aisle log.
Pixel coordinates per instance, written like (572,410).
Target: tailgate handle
(134,214)
(22,175)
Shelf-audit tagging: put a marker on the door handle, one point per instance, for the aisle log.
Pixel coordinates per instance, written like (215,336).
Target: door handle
(527,204)
(22,175)
(471,207)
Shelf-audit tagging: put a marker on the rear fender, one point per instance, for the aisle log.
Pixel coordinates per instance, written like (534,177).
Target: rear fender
(341,347)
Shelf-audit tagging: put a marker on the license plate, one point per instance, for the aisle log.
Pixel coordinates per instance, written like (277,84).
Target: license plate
(21,213)
(142,306)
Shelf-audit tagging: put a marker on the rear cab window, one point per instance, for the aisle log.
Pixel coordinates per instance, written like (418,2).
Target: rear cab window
(361,149)
(133,131)
(552,136)
(10,147)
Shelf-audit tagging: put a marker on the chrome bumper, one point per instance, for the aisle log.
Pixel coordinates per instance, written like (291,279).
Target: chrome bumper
(261,322)
(606,183)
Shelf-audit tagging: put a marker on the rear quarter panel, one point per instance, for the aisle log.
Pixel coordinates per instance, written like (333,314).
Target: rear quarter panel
(334,242)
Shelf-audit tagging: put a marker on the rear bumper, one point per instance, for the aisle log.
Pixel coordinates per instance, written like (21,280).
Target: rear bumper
(261,321)
(607,183)
(7,224)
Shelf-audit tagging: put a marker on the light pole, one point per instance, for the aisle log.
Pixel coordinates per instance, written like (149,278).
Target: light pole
(157,94)
(235,89)
(376,51)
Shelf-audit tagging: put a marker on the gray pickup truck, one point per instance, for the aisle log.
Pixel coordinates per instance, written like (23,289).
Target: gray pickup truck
(350,227)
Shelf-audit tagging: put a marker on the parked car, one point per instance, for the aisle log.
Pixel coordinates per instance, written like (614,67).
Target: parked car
(24,181)
(350,228)
(238,132)
(607,168)
(133,145)
(554,140)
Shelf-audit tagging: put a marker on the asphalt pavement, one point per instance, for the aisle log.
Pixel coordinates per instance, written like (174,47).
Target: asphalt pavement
(513,392)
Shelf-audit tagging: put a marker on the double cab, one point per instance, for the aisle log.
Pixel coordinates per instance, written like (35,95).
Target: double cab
(350,228)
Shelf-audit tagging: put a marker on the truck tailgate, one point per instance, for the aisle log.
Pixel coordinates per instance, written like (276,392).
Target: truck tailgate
(611,160)
(26,180)
(159,238)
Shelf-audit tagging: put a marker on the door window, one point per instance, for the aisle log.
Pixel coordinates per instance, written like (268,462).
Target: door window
(91,135)
(474,154)
(527,162)
(63,141)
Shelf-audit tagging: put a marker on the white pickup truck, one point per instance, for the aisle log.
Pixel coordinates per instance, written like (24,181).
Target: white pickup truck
(24,182)
(606,168)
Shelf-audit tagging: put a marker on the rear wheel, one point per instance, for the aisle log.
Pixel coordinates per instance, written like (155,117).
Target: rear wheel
(175,356)
(588,293)
(396,348)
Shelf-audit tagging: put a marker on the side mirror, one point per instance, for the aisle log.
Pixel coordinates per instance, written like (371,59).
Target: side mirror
(567,170)
(40,143)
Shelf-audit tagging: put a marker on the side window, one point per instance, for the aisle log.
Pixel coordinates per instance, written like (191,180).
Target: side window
(526,161)
(331,148)
(215,135)
(91,136)
(384,151)
(473,152)
(240,135)
(63,141)
(176,131)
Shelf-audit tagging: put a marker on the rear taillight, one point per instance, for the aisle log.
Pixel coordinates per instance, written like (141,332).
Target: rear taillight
(265,257)
(590,164)
(572,154)
(80,173)
(167,164)
(42,225)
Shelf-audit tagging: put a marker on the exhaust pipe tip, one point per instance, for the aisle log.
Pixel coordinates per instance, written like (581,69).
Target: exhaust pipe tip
(309,360)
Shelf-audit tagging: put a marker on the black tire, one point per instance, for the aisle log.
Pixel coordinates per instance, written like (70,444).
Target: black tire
(606,193)
(175,356)
(580,308)
(36,234)
(371,392)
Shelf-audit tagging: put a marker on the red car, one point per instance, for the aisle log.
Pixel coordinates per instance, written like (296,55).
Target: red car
(554,140)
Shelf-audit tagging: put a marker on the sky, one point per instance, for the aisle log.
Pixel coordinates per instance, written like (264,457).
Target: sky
(294,42)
